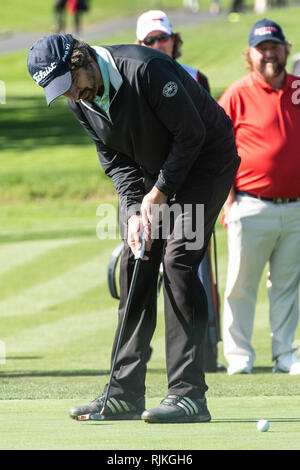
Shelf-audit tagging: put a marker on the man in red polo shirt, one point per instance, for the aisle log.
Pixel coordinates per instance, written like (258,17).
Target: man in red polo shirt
(262,212)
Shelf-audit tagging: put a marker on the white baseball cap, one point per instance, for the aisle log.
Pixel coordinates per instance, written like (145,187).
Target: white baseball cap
(151,21)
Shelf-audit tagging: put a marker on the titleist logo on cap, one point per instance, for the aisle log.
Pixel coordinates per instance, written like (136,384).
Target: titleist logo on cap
(41,74)
(67,47)
(265,30)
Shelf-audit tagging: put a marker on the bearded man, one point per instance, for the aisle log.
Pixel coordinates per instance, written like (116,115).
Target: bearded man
(164,142)
(262,211)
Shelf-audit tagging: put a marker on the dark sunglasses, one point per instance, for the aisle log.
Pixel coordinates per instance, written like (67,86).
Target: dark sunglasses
(160,38)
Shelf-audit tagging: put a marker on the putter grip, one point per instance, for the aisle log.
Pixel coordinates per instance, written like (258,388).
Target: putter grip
(140,253)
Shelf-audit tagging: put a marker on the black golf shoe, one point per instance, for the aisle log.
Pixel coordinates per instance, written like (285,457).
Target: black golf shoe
(115,409)
(178,409)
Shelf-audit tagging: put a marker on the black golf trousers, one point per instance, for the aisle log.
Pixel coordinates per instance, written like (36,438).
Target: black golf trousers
(185,302)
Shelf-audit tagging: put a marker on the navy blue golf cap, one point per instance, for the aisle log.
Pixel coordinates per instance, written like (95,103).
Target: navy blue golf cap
(265,30)
(47,63)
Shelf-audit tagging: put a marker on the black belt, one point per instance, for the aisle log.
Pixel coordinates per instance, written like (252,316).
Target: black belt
(275,200)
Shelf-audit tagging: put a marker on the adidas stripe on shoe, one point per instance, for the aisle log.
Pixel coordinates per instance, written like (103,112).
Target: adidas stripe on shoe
(116,409)
(178,409)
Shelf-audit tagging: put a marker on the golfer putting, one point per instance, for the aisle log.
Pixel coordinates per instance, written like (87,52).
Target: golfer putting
(164,142)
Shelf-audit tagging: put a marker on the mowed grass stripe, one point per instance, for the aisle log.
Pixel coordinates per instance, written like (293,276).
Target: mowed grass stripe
(50,264)
(51,335)
(97,297)
(13,255)
(61,288)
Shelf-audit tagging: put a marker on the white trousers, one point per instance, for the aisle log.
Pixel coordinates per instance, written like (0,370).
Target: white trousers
(193,5)
(261,232)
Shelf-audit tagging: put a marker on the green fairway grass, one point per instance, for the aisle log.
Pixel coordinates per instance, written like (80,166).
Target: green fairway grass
(233,427)
(57,318)
(57,323)
(35,15)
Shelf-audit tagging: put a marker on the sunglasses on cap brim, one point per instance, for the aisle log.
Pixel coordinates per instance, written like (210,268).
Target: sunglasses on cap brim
(152,39)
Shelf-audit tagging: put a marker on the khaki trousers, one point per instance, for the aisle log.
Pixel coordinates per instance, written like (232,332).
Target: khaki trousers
(261,232)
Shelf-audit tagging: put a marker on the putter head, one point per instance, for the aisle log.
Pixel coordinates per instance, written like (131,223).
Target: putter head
(97,417)
(90,417)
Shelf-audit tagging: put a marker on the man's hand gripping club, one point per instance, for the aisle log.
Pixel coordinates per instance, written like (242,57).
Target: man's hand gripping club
(141,224)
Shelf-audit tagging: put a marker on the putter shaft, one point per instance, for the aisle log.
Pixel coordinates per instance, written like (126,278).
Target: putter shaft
(138,259)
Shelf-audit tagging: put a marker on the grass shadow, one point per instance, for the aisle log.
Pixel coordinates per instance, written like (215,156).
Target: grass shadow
(156,371)
(262,370)
(33,125)
(254,420)
(54,373)
(21,358)
(63,373)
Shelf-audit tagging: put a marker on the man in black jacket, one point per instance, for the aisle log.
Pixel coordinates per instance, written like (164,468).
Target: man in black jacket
(155,30)
(164,141)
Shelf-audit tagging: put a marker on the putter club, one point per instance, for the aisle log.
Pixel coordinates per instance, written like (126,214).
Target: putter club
(138,258)
(90,417)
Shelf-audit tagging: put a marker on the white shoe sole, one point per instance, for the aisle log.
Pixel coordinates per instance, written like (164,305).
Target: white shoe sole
(241,370)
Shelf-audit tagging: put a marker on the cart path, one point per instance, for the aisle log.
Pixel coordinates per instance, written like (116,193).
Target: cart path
(11,42)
